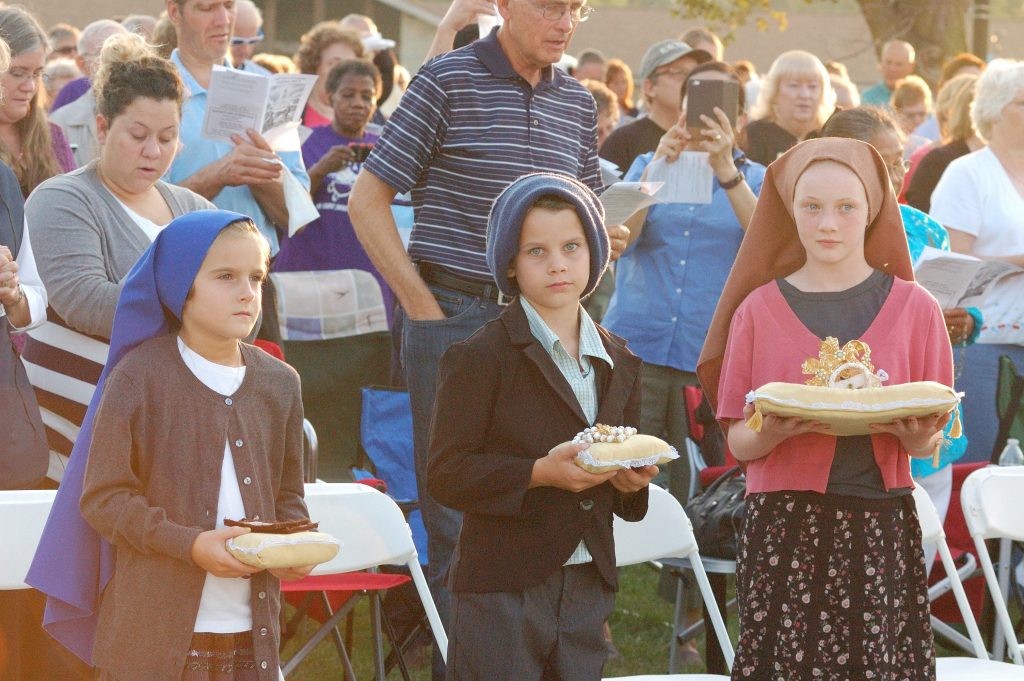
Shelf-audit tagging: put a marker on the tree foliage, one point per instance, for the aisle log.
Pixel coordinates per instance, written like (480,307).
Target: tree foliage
(936,28)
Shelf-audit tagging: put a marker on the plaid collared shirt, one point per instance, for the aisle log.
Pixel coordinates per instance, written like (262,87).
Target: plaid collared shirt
(579,374)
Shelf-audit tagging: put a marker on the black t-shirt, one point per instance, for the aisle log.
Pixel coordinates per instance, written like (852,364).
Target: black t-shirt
(626,143)
(846,315)
(928,172)
(765,141)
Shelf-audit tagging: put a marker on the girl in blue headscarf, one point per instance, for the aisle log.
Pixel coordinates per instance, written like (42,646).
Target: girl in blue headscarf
(189,425)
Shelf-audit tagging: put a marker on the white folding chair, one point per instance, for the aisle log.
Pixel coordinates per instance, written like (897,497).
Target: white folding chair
(665,532)
(991,502)
(979,668)
(373,532)
(22,516)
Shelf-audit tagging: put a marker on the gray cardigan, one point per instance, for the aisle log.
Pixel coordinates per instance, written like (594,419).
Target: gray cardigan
(85,244)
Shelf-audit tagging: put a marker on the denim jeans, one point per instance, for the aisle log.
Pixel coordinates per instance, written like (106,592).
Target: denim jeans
(978,370)
(423,343)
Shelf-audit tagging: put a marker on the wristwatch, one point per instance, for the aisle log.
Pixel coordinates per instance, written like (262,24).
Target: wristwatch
(734,182)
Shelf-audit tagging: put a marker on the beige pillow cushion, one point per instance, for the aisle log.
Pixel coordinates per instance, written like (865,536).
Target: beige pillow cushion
(851,412)
(626,449)
(299,549)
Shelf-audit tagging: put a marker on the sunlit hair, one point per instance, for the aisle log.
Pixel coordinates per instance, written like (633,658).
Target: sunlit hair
(861,123)
(909,91)
(961,61)
(275,63)
(319,38)
(616,68)
(165,36)
(604,98)
(799,65)
(248,227)
(953,107)
(38,162)
(130,68)
(5,57)
(998,85)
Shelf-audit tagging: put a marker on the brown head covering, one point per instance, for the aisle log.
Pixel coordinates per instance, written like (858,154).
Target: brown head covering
(771,247)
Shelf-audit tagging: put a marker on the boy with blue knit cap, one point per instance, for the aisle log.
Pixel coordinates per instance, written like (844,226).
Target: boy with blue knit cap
(533,577)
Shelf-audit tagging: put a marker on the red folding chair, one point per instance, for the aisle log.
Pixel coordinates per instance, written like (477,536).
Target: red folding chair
(371,535)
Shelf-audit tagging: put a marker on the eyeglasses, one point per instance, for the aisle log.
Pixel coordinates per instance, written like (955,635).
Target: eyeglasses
(555,11)
(677,73)
(256,39)
(67,50)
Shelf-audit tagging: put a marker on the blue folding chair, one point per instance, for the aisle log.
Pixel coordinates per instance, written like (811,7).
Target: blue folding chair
(385,434)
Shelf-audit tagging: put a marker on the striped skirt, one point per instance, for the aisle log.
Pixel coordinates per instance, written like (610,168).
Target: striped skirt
(832,587)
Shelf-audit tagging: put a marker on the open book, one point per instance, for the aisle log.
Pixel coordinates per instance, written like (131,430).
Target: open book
(238,100)
(993,286)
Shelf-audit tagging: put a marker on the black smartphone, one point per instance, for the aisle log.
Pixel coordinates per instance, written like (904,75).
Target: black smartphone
(360,151)
(702,96)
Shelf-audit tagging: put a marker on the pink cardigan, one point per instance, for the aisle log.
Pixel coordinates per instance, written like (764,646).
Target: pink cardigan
(767,342)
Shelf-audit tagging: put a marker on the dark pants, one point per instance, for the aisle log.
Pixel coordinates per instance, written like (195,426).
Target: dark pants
(550,631)
(423,343)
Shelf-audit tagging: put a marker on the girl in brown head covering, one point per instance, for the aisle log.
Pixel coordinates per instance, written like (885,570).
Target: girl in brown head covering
(830,573)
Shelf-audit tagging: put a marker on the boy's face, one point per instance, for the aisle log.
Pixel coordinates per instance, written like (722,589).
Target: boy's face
(225,299)
(552,265)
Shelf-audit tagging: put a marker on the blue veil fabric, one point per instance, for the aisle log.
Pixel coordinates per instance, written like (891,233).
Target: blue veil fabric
(73,563)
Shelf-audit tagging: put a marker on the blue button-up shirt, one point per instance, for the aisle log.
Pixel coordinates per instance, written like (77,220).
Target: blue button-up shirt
(466,128)
(197,153)
(669,280)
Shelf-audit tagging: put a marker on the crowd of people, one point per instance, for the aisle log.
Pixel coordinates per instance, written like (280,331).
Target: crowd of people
(461,252)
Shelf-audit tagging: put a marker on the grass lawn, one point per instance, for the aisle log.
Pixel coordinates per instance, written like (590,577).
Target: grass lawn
(641,628)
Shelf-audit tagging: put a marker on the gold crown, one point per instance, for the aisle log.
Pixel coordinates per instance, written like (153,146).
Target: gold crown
(831,356)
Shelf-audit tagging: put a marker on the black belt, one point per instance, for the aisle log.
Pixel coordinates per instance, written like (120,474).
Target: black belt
(435,274)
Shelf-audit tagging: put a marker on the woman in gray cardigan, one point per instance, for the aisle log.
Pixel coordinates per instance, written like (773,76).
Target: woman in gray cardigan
(90,226)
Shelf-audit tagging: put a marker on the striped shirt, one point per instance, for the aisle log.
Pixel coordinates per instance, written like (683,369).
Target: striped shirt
(466,128)
(579,374)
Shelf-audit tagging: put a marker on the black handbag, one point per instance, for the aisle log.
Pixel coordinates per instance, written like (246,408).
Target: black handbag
(717,515)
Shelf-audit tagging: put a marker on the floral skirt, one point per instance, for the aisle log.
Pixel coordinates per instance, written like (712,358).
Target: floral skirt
(832,587)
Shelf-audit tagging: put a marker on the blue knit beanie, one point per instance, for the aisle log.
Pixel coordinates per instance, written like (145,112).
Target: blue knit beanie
(510,209)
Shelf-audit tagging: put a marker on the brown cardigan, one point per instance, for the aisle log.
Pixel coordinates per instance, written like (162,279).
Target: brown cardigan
(151,486)
(501,404)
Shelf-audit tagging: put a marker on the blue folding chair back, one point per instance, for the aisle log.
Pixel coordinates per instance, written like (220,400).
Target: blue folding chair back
(386,437)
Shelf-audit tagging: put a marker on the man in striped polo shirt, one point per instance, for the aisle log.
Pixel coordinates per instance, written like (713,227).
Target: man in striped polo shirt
(471,122)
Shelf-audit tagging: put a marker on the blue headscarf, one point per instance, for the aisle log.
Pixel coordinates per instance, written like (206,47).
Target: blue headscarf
(73,563)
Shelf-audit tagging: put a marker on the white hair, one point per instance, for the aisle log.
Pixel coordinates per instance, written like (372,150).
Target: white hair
(911,54)
(794,64)
(997,86)
(91,41)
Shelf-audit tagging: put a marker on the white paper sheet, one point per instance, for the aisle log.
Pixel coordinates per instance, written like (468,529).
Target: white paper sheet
(301,209)
(623,199)
(688,179)
(238,100)
(610,173)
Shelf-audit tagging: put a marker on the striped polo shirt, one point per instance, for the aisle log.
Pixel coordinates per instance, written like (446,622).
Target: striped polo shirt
(467,127)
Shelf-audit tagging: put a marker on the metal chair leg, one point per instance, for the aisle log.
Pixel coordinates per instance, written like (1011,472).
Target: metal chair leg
(378,642)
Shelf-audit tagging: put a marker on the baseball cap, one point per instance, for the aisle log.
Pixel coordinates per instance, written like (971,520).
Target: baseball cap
(666,52)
